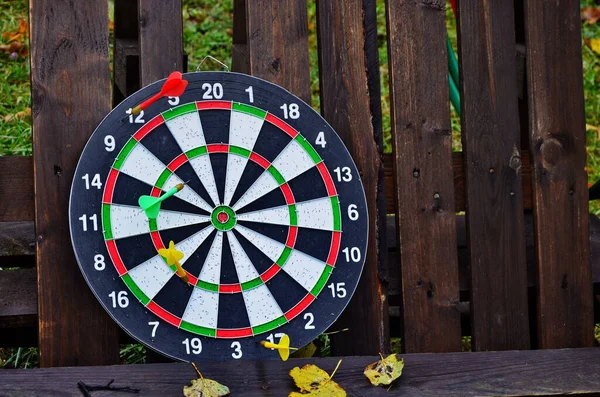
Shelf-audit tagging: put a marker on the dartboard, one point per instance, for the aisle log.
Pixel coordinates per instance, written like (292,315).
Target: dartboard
(254,223)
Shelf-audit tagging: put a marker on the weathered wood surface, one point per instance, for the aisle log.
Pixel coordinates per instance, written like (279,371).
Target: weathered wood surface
(18,300)
(70,77)
(271,42)
(21,183)
(160,37)
(557,141)
(424,193)
(345,65)
(510,373)
(16,188)
(492,158)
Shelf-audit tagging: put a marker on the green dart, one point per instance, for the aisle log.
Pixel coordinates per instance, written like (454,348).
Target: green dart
(151,205)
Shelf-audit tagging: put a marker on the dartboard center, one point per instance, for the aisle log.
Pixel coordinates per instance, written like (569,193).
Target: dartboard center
(223,218)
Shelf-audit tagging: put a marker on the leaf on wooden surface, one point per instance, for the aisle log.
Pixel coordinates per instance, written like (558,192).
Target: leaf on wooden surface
(204,387)
(385,371)
(595,45)
(314,382)
(590,14)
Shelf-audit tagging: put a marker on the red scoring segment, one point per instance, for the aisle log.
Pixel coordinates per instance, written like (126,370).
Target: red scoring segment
(223,217)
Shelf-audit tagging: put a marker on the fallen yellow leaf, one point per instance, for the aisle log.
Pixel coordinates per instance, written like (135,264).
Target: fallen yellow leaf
(204,387)
(595,45)
(17,116)
(385,371)
(314,382)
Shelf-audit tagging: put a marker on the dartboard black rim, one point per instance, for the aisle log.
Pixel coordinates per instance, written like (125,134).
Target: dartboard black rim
(220,320)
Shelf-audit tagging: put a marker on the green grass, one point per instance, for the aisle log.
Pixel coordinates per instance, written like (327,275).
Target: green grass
(15,96)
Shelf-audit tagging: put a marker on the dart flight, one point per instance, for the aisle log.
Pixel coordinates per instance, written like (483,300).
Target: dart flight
(151,205)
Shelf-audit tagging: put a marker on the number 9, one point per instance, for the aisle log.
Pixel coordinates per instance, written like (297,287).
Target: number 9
(109,141)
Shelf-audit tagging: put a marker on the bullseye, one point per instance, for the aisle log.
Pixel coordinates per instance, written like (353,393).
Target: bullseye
(222,217)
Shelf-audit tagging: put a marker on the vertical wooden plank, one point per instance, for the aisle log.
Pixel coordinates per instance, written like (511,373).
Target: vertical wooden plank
(423,168)
(346,103)
(277,43)
(160,38)
(70,78)
(557,124)
(492,162)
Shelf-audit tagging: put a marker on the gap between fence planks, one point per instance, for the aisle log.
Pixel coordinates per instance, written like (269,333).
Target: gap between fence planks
(491,141)
(345,64)
(421,138)
(557,141)
(70,77)
(510,373)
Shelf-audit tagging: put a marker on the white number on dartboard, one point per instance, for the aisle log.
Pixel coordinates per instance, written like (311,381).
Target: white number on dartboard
(352,253)
(337,290)
(154,325)
(94,218)
(120,299)
(95,181)
(194,345)
(310,319)
(139,119)
(291,111)
(237,352)
(343,174)
(173,100)
(214,91)
(109,141)
(321,140)
(352,212)
(271,338)
(99,262)
(250,94)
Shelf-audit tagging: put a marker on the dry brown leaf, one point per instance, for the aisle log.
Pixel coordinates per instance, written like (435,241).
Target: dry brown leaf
(20,34)
(590,14)
(18,116)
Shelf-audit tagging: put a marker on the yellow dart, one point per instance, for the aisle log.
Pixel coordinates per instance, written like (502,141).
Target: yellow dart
(283,347)
(172,256)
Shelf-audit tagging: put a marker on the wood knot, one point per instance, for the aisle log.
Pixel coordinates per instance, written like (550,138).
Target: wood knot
(276,64)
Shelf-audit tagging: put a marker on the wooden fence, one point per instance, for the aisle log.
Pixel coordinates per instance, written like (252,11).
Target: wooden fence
(516,269)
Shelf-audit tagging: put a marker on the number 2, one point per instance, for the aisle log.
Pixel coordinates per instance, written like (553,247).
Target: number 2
(310,319)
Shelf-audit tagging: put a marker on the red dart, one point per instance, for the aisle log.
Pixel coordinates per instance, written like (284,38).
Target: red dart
(174,86)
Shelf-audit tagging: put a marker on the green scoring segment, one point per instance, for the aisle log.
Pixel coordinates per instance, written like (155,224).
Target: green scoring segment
(223,218)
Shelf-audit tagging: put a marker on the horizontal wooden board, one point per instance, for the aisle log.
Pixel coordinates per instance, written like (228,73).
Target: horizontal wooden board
(16,188)
(16,203)
(511,373)
(18,300)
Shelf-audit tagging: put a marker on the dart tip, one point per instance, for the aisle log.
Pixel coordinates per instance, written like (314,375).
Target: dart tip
(180,186)
(136,110)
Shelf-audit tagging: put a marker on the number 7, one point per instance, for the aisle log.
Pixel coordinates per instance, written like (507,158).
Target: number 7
(155,325)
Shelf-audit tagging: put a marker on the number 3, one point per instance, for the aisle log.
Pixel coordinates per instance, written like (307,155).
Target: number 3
(237,353)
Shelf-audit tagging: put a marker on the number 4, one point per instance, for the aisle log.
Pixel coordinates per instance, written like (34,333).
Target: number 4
(321,140)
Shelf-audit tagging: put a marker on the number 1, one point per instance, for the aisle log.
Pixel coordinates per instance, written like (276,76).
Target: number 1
(250,94)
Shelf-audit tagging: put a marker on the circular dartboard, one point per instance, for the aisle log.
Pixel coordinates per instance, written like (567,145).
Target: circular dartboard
(253,225)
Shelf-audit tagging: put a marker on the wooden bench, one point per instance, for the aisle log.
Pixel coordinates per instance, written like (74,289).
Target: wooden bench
(516,270)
